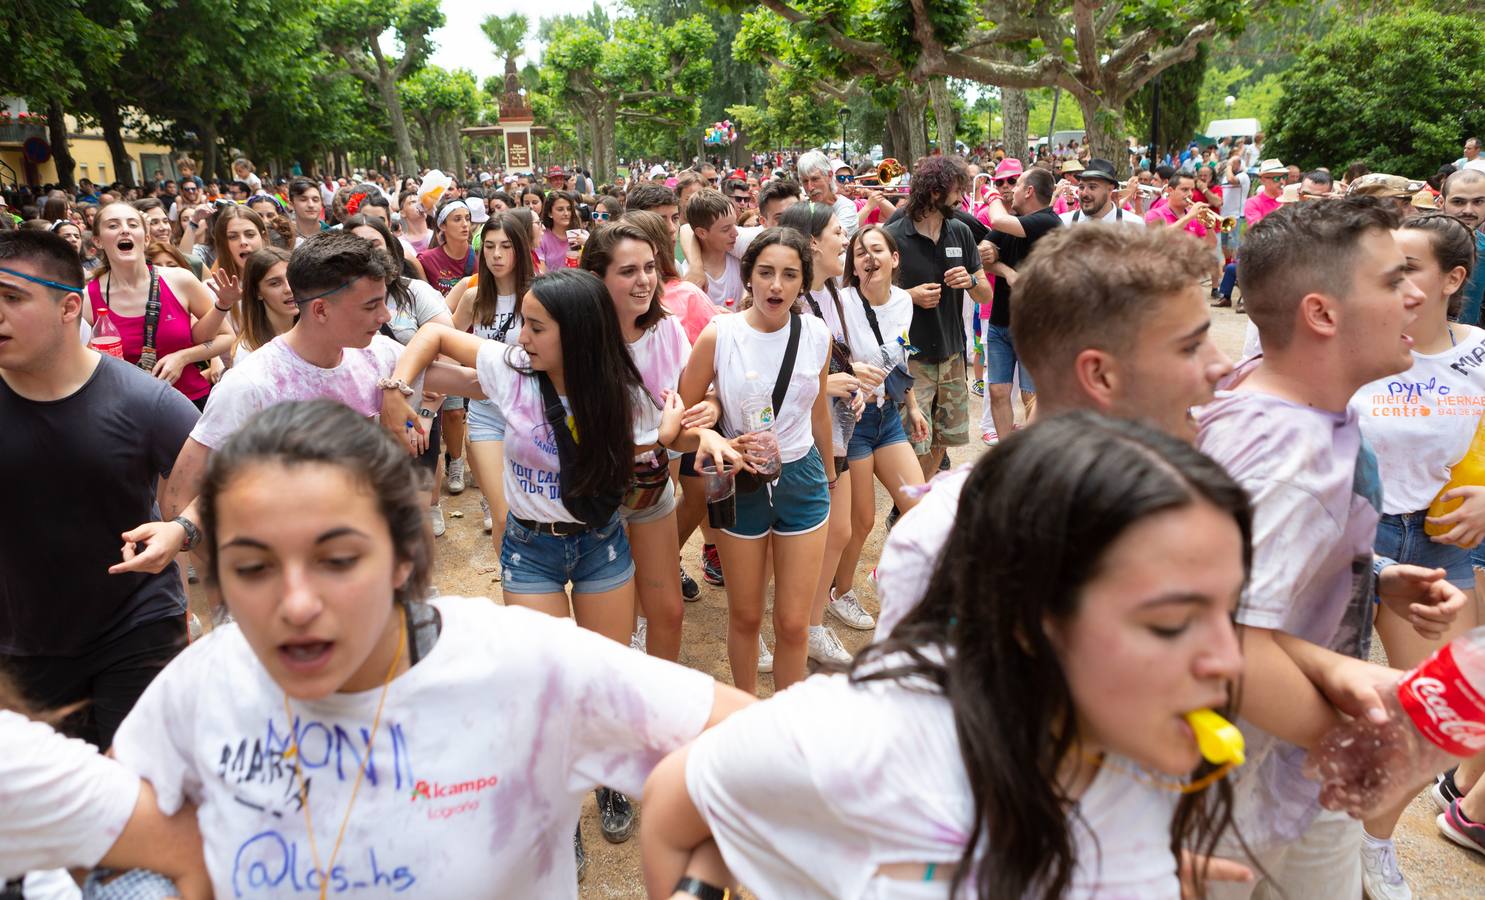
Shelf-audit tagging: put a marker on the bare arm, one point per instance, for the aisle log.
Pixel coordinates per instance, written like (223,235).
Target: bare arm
(185,478)
(1002,219)
(169,845)
(695,268)
(461,304)
(820,425)
(1290,686)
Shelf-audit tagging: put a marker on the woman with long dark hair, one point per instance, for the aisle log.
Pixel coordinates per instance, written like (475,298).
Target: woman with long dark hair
(268,305)
(568,395)
(846,388)
(1023,732)
(774,410)
(1414,454)
(559,215)
(879,444)
(624,257)
(390,740)
(488,305)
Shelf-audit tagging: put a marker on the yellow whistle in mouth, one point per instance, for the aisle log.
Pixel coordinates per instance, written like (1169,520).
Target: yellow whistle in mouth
(1219,740)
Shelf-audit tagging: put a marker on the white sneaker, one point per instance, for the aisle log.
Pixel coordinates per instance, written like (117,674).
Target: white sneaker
(1380,877)
(488,522)
(848,609)
(765,657)
(640,636)
(825,647)
(435,515)
(456,476)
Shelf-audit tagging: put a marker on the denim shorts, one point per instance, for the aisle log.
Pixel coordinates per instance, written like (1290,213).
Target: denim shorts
(453,403)
(880,426)
(486,423)
(796,503)
(1000,359)
(1402,538)
(593,562)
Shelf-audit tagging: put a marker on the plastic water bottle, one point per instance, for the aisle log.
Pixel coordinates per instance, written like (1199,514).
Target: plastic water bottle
(1436,713)
(1469,470)
(757,412)
(106,338)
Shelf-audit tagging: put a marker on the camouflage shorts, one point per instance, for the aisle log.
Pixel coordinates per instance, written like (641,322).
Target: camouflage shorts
(943,399)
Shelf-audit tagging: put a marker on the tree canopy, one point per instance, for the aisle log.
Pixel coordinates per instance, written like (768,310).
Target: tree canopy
(1397,92)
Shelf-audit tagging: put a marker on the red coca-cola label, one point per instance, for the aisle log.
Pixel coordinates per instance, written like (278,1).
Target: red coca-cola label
(1443,705)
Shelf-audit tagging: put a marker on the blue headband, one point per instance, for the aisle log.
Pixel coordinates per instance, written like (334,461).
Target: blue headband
(70,288)
(319,296)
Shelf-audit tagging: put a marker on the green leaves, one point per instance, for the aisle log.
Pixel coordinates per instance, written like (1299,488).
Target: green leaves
(1399,92)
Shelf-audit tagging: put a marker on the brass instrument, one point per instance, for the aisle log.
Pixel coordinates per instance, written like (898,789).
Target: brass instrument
(1150,191)
(1208,219)
(1229,224)
(889,179)
(1211,222)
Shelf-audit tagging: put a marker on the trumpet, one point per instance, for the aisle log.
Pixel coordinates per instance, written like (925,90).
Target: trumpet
(1150,191)
(1212,222)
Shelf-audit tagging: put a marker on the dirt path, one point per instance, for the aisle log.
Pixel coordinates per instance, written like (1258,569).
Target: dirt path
(1435,867)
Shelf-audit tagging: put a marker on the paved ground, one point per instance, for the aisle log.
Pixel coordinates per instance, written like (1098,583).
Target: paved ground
(1436,868)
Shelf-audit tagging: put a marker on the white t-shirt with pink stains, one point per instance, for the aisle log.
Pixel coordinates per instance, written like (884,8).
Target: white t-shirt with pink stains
(660,354)
(808,794)
(533,485)
(274,374)
(475,777)
(65,804)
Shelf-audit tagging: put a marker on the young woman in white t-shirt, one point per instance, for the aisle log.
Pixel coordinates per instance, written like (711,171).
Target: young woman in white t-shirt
(1420,423)
(623,256)
(879,446)
(744,355)
(563,526)
(487,304)
(345,734)
(817,222)
(1021,734)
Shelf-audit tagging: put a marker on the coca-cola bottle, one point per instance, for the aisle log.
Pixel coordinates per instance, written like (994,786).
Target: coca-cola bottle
(1434,714)
(106,338)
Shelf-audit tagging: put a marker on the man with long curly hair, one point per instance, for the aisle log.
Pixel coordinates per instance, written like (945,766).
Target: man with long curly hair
(940,264)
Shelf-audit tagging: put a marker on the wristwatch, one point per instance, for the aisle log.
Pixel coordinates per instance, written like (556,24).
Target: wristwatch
(193,534)
(974,279)
(394,384)
(699,889)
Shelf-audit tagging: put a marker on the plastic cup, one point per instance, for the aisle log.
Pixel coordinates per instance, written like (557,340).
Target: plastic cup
(719,484)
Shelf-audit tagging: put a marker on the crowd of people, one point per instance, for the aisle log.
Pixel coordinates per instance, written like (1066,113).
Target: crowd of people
(295,371)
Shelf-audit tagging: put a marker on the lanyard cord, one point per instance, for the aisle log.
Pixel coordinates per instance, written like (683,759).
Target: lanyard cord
(309,825)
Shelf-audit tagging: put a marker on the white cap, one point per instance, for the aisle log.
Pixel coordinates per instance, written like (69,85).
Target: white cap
(657,170)
(837,164)
(510,179)
(477,213)
(486,176)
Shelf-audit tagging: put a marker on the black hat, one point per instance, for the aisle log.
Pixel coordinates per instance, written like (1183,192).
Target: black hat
(1099,168)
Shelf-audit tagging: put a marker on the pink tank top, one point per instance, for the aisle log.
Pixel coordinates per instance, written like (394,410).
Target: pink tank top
(171,334)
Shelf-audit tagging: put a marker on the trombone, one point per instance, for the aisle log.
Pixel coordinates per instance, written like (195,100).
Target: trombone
(889,179)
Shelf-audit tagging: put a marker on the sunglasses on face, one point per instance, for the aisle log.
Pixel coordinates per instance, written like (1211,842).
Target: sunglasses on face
(742,199)
(600,216)
(1008,182)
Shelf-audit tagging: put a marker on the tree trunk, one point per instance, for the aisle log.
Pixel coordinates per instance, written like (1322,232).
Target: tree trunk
(943,112)
(456,146)
(386,86)
(56,125)
(1015,110)
(1104,126)
(113,135)
(208,133)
